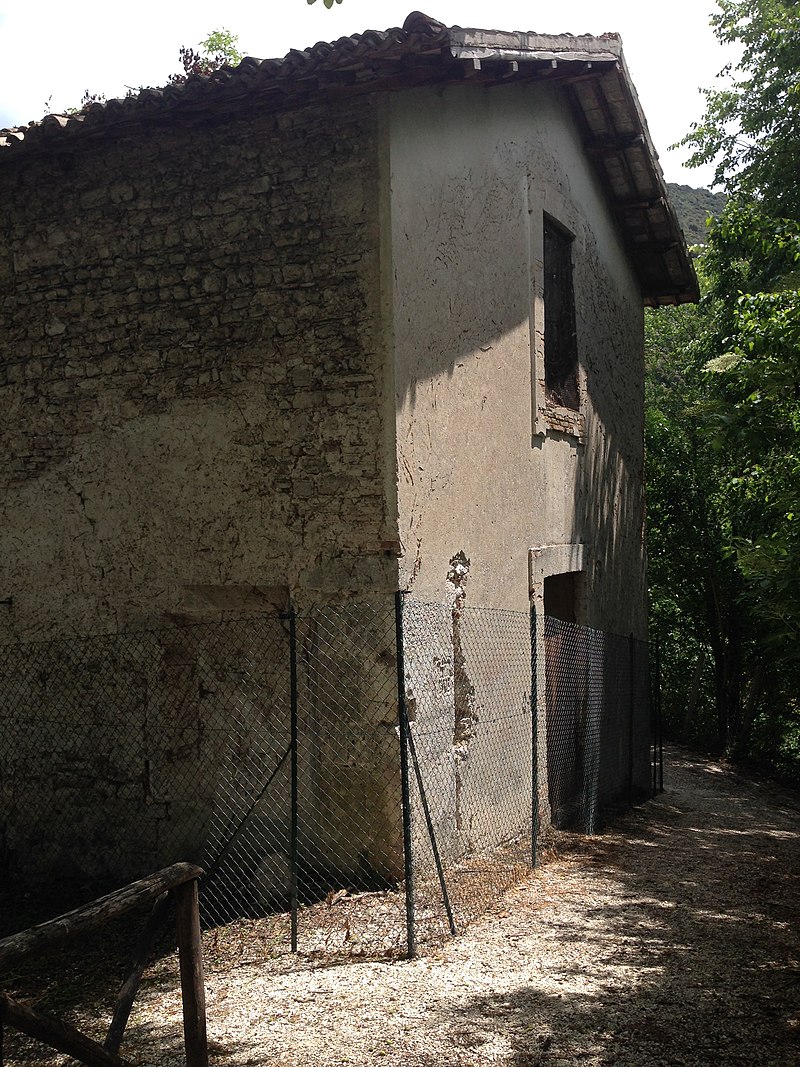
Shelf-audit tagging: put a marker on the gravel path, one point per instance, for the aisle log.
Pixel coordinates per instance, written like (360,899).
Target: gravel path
(671,940)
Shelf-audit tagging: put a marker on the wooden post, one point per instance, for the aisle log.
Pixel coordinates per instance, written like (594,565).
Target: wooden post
(182,880)
(130,986)
(192,984)
(57,1034)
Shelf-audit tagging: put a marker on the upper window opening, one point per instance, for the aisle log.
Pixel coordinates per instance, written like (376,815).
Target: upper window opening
(560,340)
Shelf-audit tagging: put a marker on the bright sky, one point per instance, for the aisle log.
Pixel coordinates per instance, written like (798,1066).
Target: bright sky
(53,50)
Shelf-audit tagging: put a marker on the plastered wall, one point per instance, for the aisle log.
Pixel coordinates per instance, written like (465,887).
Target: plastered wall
(478,472)
(489,473)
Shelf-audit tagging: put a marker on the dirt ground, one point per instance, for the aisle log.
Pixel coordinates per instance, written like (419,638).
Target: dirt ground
(670,940)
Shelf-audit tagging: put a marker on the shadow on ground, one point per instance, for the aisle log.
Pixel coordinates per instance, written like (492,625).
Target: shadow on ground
(694,959)
(669,941)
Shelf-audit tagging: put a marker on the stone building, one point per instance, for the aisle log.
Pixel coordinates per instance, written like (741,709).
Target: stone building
(368,317)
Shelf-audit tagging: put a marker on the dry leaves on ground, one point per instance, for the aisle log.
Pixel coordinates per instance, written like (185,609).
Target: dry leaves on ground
(669,941)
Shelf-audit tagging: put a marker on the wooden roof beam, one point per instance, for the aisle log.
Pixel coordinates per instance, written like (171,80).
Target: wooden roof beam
(611,143)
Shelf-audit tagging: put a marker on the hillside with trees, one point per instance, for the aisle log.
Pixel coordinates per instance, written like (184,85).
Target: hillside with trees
(694,207)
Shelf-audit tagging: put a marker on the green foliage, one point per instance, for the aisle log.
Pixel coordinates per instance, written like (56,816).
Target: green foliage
(695,584)
(723,468)
(752,407)
(328,3)
(723,417)
(219,49)
(751,128)
(223,46)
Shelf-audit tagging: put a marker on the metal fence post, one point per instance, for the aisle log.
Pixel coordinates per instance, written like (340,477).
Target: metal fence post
(405,792)
(631,713)
(659,754)
(293,828)
(534,742)
(437,859)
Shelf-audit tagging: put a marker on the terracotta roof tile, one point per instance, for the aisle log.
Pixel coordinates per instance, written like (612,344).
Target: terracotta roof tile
(591,69)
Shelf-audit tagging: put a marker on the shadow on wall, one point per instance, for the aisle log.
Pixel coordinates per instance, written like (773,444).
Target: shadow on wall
(609,495)
(464,271)
(460,246)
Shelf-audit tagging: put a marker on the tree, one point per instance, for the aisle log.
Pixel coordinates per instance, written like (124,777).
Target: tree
(752,407)
(724,445)
(751,128)
(327,3)
(695,584)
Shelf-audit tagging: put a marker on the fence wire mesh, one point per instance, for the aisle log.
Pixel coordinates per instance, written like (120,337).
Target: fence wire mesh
(350,836)
(597,724)
(468,687)
(110,752)
(268,749)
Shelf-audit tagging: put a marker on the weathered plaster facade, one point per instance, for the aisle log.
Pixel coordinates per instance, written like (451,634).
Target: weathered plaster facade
(486,466)
(480,469)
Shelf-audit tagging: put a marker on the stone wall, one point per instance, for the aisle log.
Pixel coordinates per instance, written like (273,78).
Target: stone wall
(112,749)
(192,381)
(191,367)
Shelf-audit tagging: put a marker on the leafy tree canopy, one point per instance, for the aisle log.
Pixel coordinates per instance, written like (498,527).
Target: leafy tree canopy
(751,407)
(751,128)
(723,412)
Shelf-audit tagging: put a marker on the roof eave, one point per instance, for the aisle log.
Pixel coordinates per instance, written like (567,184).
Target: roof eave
(592,69)
(616,139)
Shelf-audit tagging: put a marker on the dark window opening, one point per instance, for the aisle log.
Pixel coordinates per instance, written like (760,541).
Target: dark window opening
(561,595)
(560,340)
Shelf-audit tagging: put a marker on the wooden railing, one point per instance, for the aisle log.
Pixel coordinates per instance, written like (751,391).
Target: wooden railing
(178,882)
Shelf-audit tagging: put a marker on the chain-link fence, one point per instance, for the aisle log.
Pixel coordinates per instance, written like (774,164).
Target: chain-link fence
(308,814)
(344,797)
(597,754)
(468,697)
(111,750)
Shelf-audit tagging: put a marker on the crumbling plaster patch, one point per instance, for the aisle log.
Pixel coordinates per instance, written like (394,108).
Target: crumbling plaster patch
(464,708)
